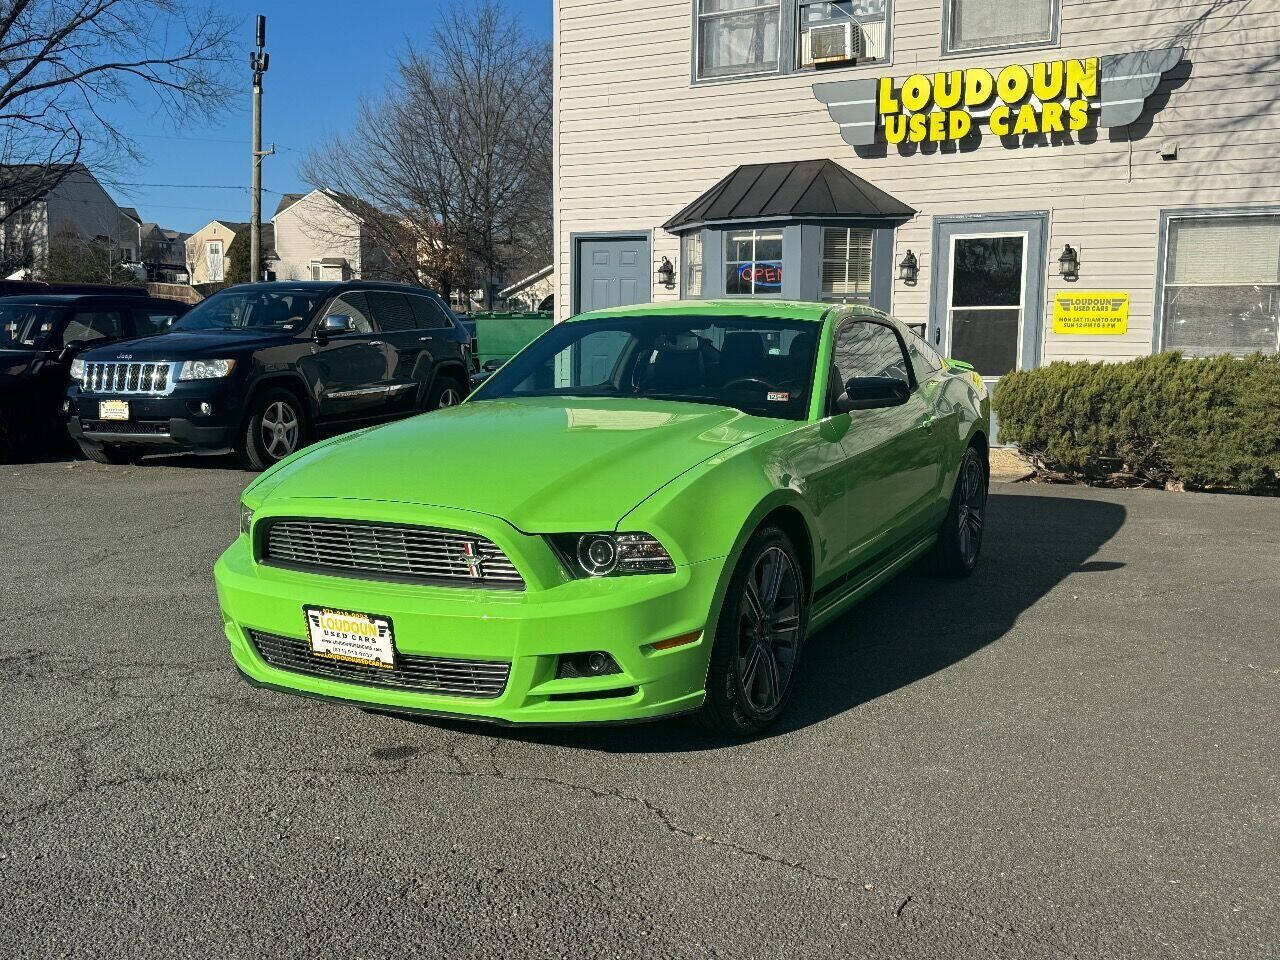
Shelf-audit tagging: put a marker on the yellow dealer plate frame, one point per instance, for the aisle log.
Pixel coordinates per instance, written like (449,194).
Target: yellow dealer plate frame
(1091,313)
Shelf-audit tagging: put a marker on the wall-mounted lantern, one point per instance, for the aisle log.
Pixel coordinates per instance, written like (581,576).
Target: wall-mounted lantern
(667,274)
(909,269)
(1069,264)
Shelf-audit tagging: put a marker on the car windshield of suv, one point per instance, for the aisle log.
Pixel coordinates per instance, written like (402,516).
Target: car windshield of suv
(23,325)
(262,310)
(757,365)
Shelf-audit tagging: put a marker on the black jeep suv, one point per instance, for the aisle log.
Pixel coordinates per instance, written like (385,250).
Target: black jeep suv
(42,333)
(262,369)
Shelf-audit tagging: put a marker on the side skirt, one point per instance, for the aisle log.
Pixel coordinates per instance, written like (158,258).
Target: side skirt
(873,578)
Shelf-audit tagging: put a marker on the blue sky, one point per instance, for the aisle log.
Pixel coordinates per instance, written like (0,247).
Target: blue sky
(325,54)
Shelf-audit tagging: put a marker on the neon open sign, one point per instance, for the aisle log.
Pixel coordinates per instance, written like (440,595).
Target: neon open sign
(761,273)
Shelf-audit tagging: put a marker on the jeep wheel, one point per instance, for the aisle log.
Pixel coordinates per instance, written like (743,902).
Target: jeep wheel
(107,452)
(445,392)
(277,427)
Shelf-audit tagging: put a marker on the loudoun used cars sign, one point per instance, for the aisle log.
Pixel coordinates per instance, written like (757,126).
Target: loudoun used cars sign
(1054,96)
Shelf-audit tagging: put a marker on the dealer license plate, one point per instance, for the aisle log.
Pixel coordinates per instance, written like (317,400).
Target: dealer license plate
(113,409)
(363,638)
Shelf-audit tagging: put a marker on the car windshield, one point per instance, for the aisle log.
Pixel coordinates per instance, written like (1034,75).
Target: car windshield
(23,325)
(262,310)
(757,365)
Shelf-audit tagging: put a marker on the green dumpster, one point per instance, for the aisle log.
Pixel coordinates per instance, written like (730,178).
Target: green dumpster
(500,336)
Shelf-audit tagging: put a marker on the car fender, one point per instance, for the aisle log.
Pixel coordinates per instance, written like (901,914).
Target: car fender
(449,367)
(290,379)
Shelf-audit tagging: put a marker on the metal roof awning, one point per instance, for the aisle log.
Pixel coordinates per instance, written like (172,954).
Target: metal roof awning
(807,189)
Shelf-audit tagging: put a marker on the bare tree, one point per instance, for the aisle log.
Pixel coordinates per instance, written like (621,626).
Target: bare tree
(457,156)
(62,62)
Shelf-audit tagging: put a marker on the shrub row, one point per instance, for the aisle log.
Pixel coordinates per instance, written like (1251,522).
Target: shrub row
(1166,419)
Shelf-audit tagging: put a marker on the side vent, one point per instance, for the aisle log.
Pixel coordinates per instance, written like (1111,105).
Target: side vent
(832,43)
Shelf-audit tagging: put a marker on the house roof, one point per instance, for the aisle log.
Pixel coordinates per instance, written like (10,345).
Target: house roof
(527,281)
(820,189)
(286,201)
(132,214)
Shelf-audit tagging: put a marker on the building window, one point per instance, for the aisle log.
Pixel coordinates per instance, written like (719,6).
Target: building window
(317,270)
(753,263)
(737,37)
(987,24)
(691,264)
(1222,285)
(213,260)
(841,31)
(846,263)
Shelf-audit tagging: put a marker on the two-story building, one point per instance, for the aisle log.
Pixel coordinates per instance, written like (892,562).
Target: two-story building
(1023,180)
(64,203)
(326,235)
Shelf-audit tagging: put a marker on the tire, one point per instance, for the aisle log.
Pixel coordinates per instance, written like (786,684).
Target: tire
(446,391)
(276,427)
(752,669)
(960,537)
(106,453)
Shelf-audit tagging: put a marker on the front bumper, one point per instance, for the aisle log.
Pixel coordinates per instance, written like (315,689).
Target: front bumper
(621,616)
(173,421)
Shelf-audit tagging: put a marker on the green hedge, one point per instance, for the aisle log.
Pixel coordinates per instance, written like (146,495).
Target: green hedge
(1164,419)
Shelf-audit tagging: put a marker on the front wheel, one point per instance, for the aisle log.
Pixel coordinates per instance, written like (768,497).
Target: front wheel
(276,428)
(757,642)
(107,453)
(960,538)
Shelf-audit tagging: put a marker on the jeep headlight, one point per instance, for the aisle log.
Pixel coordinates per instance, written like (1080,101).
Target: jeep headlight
(611,554)
(205,369)
(77,369)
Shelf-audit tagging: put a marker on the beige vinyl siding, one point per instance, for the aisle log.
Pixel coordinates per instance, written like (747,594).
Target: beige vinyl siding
(635,140)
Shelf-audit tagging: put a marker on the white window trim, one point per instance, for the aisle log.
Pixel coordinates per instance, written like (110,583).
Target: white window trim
(1053,40)
(755,240)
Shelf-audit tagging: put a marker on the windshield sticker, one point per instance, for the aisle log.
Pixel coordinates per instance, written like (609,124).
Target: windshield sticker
(777,396)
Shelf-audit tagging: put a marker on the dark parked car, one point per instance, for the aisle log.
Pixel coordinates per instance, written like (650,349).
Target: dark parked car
(263,369)
(41,334)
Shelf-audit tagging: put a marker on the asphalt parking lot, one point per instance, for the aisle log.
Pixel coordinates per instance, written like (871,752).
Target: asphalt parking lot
(1072,754)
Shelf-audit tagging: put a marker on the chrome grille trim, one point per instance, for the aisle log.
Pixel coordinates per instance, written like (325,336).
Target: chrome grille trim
(444,676)
(380,551)
(150,378)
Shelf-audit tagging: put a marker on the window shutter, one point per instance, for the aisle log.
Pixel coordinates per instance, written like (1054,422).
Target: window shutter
(846,261)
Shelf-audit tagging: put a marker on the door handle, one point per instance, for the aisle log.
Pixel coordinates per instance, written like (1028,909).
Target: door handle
(937,336)
(377,343)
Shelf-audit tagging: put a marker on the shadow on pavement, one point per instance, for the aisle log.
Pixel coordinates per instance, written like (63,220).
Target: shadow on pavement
(911,628)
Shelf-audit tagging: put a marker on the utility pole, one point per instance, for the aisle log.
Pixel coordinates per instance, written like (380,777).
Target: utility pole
(258,62)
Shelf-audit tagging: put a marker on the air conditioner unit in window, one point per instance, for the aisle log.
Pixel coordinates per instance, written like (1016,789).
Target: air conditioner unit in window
(833,43)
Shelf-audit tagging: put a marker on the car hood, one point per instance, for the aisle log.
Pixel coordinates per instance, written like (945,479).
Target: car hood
(543,464)
(179,345)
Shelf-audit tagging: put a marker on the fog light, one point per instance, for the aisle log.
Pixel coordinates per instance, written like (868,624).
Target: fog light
(66,406)
(206,409)
(597,663)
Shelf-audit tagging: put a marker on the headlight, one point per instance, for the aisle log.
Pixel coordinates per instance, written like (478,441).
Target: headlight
(205,369)
(77,369)
(246,519)
(611,554)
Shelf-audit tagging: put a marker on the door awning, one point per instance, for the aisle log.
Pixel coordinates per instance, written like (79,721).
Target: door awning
(807,189)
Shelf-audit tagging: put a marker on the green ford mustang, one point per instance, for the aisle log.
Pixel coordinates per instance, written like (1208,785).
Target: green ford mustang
(644,513)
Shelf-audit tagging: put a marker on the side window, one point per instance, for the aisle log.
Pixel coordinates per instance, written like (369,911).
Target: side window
(923,358)
(86,325)
(864,348)
(356,306)
(148,321)
(391,310)
(429,315)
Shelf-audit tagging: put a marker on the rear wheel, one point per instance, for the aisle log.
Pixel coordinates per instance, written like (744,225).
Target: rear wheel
(276,428)
(758,639)
(960,539)
(445,392)
(107,452)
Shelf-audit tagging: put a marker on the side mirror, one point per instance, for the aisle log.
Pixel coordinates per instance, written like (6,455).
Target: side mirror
(491,365)
(872,393)
(69,350)
(335,324)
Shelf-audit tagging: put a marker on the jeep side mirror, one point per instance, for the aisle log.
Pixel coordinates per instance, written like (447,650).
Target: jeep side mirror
(335,324)
(69,350)
(491,365)
(872,393)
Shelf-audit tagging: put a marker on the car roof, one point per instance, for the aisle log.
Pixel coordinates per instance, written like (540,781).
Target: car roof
(63,299)
(743,307)
(330,286)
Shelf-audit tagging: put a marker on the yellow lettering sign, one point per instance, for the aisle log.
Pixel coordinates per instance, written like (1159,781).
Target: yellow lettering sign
(1091,314)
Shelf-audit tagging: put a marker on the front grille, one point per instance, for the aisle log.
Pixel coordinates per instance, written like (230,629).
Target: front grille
(438,675)
(147,378)
(159,429)
(385,552)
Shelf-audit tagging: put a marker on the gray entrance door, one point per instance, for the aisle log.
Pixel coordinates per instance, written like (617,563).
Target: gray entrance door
(612,272)
(988,291)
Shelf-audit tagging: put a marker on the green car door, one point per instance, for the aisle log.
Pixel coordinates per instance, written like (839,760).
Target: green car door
(894,467)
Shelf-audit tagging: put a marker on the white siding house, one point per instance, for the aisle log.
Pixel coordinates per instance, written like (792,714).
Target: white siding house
(982,139)
(77,206)
(324,235)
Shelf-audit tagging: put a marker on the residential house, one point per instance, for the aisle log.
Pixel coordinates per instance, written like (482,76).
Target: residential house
(164,254)
(206,251)
(325,235)
(534,292)
(130,235)
(75,206)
